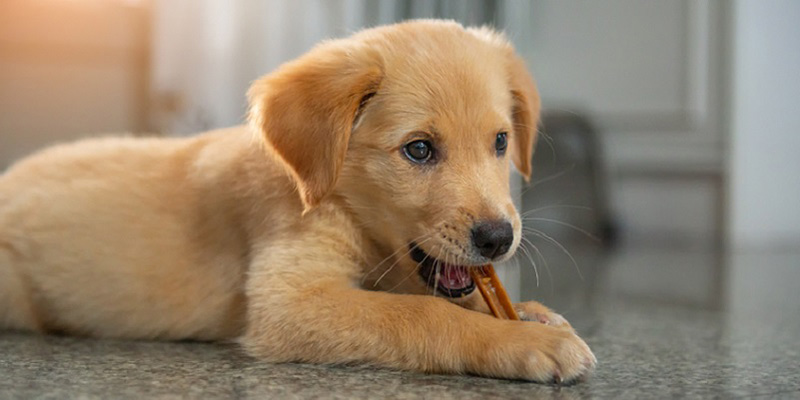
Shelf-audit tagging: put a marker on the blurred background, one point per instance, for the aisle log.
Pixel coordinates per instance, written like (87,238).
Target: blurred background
(667,169)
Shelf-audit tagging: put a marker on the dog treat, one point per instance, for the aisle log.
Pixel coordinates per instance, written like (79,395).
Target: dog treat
(493,292)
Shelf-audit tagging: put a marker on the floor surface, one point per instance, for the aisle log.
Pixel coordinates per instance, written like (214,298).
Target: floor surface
(740,342)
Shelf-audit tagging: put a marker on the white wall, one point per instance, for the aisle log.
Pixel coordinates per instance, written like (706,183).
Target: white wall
(765,122)
(69,70)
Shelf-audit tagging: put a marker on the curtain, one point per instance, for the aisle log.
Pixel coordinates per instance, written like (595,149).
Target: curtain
(205,53)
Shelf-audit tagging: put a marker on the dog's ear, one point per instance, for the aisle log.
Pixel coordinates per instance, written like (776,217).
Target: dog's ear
(306,109)
(525,115)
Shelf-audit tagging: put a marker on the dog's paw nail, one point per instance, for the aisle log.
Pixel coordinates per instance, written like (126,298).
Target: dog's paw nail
(540,318)
(523,316)
(557,380)
(543,319)
(537,317)
(591,363)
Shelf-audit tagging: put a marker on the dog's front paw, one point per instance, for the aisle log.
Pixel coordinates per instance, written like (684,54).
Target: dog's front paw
(555,355)
(534,311)
(535,352)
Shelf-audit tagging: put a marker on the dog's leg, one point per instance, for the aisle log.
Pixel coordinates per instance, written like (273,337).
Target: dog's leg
(324,318)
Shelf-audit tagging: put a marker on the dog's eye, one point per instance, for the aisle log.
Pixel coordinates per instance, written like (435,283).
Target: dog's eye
(419,151)
(501,142)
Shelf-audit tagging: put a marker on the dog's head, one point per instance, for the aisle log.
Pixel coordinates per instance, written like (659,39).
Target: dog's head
(412,127)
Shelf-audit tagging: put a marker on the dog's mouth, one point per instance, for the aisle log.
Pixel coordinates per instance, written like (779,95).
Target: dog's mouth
(447,279)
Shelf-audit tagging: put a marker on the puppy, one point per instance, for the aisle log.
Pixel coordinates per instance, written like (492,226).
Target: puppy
(380,161)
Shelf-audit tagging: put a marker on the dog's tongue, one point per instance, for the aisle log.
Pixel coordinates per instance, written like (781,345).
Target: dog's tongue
(454,277)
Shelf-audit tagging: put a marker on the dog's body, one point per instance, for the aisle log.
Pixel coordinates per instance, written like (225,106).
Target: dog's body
(210,238)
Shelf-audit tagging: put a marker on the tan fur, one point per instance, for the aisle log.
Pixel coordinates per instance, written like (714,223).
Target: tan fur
(266,232)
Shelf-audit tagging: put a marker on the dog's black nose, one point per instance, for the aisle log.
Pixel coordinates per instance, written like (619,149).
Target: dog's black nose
(492,238)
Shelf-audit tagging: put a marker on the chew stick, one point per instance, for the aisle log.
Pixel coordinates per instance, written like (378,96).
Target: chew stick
(493,292)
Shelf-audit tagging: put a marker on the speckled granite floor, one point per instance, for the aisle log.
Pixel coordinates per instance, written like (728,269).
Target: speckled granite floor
(746,347)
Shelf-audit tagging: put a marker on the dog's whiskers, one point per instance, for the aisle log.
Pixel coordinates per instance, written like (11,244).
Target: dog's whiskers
(550,143)
(437,270)
(555,242)
(568,225)
(366,275)
(548,178)
(447,262)
(541,258)
(395,263)
(413,271)
(571,206)
(438,265)
(530,258)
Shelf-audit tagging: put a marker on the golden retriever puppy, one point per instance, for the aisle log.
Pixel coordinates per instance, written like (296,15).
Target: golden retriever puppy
(380,161)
